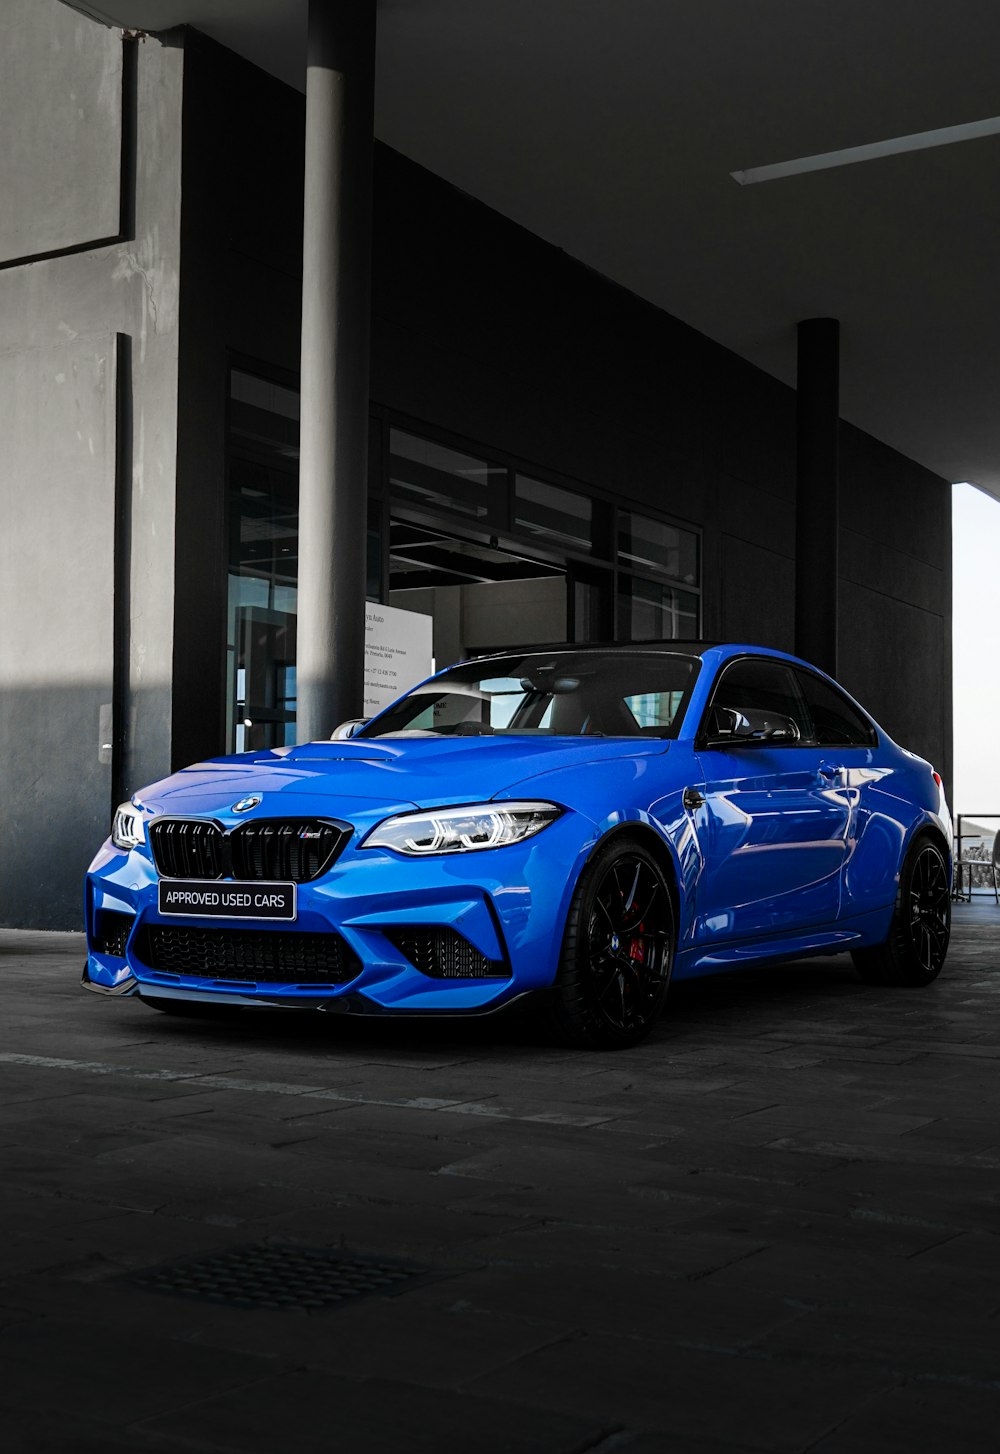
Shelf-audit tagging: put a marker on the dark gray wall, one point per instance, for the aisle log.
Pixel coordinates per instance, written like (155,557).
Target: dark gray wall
(88,369)
(895,594)
(112,398)
(57,421)
(483,330)
(60,93)
(241,262)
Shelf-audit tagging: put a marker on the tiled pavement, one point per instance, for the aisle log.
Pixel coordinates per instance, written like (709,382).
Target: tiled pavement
(773,1227)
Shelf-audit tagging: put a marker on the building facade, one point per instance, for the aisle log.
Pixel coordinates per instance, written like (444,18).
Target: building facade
(550,457)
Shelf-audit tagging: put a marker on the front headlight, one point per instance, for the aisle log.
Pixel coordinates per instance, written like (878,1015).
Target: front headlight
(462,830)
(126,827)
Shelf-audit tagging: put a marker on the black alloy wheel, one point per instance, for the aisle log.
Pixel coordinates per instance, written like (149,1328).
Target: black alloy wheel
(929,911)
(915,950)
(617,952)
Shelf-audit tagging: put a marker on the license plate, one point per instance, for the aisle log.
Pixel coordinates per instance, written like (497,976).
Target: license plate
(198,899)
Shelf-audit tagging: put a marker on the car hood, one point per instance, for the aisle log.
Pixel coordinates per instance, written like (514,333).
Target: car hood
(393,774)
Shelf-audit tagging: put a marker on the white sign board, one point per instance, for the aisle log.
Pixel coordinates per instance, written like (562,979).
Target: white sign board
(399,652)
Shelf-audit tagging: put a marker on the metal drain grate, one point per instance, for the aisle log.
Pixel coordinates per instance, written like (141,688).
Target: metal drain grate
(281,1276)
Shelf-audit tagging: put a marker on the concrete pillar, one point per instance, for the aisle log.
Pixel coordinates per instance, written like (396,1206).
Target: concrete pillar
(817,517)
(336,309)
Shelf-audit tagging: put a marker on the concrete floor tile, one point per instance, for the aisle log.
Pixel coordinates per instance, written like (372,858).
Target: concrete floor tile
(922,1415)
(113,1380)
(863,1232)
(787,1195)
(711,1393)
(49,1431)
(433,1347)
(313,1413)
(884,1150)
(920,1344)
(848,1279)
(614,1301)
(853,1119)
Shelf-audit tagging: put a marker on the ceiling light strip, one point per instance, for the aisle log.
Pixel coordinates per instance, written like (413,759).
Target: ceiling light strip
(917,141)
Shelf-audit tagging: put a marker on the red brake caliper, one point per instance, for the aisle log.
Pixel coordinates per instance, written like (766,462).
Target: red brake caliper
(637,946)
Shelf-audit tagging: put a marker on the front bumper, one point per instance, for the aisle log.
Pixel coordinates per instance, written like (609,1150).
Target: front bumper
(349,1002)
(509,904)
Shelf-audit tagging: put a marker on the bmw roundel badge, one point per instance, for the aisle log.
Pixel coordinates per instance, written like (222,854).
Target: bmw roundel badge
(245,804)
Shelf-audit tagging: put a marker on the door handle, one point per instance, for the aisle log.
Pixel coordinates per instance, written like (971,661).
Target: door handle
(831,770)
(691,798)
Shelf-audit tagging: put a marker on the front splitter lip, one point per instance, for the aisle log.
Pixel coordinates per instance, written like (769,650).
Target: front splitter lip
(352,1004)
(129,986)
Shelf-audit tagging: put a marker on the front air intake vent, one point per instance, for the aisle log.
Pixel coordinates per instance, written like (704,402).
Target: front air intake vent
(441,952)
(111,932)
(257,956)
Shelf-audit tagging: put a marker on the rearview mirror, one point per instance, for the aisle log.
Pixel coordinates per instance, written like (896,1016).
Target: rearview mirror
(349,728)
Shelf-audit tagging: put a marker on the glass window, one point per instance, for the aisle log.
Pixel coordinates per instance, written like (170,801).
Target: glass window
(654,709)
(754,697)
(591,600)
(645,542)
(436,477)
(651,611)
(836,721)
(481,707)
(268,399)
(598,693)
(263,460)
(373,575)
(550,511)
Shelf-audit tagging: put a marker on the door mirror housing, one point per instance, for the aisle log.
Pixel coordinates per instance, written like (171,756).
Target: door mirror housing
(730,729)
(784,731)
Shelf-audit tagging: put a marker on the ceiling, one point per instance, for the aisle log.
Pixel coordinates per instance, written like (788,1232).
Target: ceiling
(611,127)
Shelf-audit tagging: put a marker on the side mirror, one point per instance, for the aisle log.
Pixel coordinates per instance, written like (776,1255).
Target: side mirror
(781,733)
(731,723)
(349,728)
(728,727)
(731,729)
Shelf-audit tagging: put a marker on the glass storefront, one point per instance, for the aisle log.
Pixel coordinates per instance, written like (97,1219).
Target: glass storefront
(498,556)
(263,466)
(432,477)
(650,610)
(551,513)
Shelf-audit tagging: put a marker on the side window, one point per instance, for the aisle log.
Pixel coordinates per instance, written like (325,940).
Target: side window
(836,721)
(753,697)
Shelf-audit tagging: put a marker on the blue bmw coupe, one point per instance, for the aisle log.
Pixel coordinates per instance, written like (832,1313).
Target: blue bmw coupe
(577,823)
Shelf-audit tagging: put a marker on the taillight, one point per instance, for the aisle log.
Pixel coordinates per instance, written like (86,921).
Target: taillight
(941,792)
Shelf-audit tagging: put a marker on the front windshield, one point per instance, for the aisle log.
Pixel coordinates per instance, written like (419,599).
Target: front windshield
(552,694)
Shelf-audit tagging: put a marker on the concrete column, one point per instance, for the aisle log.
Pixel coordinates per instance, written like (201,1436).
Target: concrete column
(336,309)
(817,518)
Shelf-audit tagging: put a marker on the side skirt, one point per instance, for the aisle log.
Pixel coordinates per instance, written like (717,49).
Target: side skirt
(837,938)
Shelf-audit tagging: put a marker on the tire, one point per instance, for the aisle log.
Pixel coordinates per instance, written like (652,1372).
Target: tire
(617,951)
(915,950)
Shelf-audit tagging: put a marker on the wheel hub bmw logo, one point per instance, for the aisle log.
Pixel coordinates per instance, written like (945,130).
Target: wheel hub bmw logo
(615,942)
(245,804)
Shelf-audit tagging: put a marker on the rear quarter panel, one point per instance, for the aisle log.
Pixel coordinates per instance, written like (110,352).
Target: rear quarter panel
(900,799)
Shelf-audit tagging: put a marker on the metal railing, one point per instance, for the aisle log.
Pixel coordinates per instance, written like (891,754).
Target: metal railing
(964,883)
